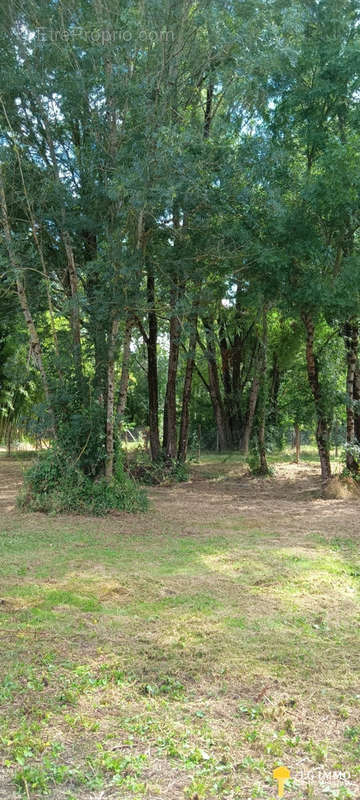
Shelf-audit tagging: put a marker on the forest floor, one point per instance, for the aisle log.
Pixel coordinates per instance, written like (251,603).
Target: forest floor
(184,652)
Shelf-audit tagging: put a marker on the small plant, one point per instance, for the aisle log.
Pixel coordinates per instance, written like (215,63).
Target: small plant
(254,712)
(318,750)
(167,686)
(33,778)
(353,733)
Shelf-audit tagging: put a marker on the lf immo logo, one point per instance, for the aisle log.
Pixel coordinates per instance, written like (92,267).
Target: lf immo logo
(281,774)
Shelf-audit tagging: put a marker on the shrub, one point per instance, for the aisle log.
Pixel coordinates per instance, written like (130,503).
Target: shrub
(55,484)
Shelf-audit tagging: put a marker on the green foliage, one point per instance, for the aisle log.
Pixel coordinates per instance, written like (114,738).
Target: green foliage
(55,484)
(241,194)
(158,472)
(80,429)
(352,449)
(253,462)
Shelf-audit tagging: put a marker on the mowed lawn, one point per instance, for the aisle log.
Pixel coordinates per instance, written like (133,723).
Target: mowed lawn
(184,652)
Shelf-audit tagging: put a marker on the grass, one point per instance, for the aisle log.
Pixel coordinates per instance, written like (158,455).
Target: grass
(183,654)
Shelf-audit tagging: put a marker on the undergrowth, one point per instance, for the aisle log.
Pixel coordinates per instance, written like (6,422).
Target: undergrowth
(155,473)
(55,484)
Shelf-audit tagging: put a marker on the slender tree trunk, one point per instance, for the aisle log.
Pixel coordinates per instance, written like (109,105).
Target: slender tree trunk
(214,387)
(336,440)
(9,436)
(253,397)
(351,338)
(75,311)
(185,410)
(225,354)
(297,443)
(274,391)
(152,368)
(71,265)
(322,427)
(236,364)
(97,330)
(109,464)
(261,442)
(36,239)
(357,402)
(169,433)
(262,400)
(124,380)
(33,335)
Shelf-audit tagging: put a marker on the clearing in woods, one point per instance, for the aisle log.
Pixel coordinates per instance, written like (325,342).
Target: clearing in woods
(185,652)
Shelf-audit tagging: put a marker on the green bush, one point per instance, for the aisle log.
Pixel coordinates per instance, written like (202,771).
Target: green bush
(55,484)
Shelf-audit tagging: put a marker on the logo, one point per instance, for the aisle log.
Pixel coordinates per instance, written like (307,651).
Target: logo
(281,774)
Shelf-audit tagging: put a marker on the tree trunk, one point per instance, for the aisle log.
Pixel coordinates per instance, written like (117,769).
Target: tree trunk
(9,437)
(357,402)
(152,369)
(351,339)
(225,354)
(262,451)
(124,380)
(169,433)
(72,271)
(274,391)
(253,397)
(322,427)
(237,356)
(214,387)
(109,464)
(185,410)
(75,310)
(297,443)
(33,335)
(264,469)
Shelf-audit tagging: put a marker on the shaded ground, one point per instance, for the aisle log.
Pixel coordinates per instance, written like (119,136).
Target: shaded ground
(185,652)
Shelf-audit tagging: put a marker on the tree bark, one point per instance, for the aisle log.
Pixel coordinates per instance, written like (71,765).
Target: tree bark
(351,339)
(36,240)
(124,380)
(264,469)
(253,397)
(214,387)
(225,353)
(274,391)
(297,443)
(322,427)
(185,410)
(33,335)
(152,368)
(357,402)
(109,464)
(75,311)
(71,267)
(9,437)
(169,432)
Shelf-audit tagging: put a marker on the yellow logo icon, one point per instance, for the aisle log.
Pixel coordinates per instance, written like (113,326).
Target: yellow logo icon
(281,774)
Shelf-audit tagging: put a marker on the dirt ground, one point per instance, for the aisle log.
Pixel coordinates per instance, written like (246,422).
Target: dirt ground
(284,500)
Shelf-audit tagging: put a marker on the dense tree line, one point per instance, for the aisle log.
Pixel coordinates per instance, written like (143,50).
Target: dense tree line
(180,200)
